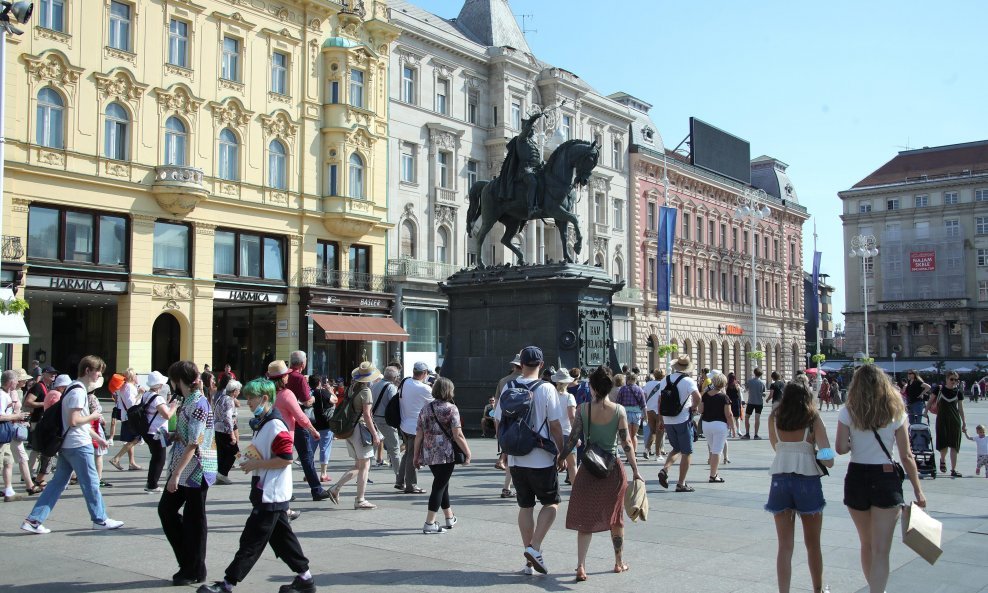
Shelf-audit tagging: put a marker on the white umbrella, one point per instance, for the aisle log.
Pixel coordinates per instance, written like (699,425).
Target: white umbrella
(963,370)
(929,370)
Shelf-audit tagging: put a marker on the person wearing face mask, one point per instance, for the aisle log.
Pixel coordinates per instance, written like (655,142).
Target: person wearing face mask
(269,461)
(76,454)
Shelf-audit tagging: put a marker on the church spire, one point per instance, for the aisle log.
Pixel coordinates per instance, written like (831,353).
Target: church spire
(491,23)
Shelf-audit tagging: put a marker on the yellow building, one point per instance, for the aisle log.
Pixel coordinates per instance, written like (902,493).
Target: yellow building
(199,179)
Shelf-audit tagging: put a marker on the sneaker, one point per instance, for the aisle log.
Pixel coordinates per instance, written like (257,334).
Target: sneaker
(757,438)
(746,436)
(217,587)
(292,515)
(223,480)
(105,484)
(108,524)
(34,527)
(298,585)
(14,498)
(109,443)
(157,490)
(535,557)
(528,569)
(433,528)
(450,522)
(645,455)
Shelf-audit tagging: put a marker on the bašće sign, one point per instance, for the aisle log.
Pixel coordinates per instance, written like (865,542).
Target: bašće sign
(74,284)
(923,261)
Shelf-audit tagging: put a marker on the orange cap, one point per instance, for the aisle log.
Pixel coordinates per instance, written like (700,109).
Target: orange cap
(116,382)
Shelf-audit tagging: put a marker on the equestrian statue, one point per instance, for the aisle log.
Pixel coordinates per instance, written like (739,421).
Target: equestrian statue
(528,189)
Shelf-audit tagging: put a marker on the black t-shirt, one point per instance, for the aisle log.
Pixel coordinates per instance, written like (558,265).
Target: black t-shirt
(734,394)
(713,407)
(913,392)
(39,392)
(776,389)
(322,407)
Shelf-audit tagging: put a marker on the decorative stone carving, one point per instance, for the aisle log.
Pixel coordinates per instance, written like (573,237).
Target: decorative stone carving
(171,291)
(58,36)
(179,71)
(20,204)
(314,56)
(279,125)
(295,240)
(600,245)
(230,113)
(315,25)
(231,85)
(359,138)
(119,54)
(205,229)
(444,215)
(180,100)
(279,98)
(120,85)
(444,140)
(230,189)
(278,197)
(51,67)
(116,169)
(51,157)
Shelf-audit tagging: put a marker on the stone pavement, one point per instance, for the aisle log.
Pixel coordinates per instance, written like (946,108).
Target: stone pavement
(717,539)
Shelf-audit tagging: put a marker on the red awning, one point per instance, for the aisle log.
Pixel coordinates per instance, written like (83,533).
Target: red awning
(368,329)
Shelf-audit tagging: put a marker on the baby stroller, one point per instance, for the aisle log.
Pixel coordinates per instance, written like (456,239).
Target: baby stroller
(921,444)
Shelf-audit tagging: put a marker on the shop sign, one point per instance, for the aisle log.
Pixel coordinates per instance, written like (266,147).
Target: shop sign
(248,296)
(367,302)
(923,261)
(77,284)
(733,330)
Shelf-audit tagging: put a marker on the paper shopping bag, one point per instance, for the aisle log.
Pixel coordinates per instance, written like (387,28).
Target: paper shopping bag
(921,532)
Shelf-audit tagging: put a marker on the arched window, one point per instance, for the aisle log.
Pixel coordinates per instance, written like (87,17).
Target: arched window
(50,117)
(117,132)
(277,165)
(406,240)
(442,243)
(229,156)
(176,140)
(356,176)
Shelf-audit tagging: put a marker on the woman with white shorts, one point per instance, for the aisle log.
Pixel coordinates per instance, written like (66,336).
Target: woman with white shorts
(718,422)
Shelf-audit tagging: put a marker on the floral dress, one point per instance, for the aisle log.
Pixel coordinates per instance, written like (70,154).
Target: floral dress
(437,449)
(195,428)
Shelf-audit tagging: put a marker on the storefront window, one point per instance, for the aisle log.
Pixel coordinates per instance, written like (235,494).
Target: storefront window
(244,338)
(112,241)
(224,253)
(250,256)
(76,236)
(171,248)
(42,233)
(274,268)
(422,326)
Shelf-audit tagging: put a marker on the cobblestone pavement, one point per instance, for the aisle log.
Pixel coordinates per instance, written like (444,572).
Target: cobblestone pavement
(717,539)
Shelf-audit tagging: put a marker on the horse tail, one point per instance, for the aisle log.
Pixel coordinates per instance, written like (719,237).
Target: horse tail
(473,212)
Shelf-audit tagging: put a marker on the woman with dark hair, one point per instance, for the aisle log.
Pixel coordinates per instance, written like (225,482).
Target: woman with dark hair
(438,428)
(321,410)
(734,394)
(950,421)
(799,437)
(191,471)
(597,504)
(917,392)
(208,385)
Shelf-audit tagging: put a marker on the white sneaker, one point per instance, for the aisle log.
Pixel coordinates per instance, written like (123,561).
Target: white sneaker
(450,522)
(34,527)
(108,524)
(535,558)
(109,443)
(223,480)
(528,570)
(433,528)
(157,490)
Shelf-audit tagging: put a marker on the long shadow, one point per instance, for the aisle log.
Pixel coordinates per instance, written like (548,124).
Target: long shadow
(77,587)
(474,580)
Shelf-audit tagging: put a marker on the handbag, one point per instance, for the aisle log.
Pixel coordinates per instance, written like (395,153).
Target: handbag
(895,464)
(459,457)
(365,435)
(934,405)
(597,461)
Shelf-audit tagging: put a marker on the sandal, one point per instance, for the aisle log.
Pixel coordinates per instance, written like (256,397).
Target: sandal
(623,567)
(664,478)
(135,468)
(955,474)
(581,574)
(943,467)
(363,505)
(34,490)
(115,463)
(684,488)
(506,493)
(334,495)
(716,479)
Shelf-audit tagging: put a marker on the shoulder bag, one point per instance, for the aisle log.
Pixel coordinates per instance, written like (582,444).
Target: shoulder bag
(895,464)
(597,461)
(459,457)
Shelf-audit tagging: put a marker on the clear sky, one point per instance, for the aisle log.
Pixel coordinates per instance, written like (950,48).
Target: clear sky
(833,89)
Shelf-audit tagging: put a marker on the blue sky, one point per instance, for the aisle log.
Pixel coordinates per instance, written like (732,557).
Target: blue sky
(833,89)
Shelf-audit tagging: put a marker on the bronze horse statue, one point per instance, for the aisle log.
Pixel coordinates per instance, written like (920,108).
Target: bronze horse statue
(569,166)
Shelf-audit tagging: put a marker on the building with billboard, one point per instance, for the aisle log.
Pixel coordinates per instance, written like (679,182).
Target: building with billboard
(200,180)
(927,290)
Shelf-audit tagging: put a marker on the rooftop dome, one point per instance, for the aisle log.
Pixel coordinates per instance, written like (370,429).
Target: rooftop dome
(769,174)
(339,42)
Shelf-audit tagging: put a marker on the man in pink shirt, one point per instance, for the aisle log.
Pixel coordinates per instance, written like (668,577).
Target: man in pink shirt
(287,403)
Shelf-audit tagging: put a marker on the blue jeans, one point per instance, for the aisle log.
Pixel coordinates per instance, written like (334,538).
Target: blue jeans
(916,412)
(305,458)
(325,444)
(82,461)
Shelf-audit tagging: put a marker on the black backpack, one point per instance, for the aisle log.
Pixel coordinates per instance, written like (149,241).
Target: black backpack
(137,415)
(323,408)
(392,413)
(345,417)
(515,433)
(50,431)
(669,402)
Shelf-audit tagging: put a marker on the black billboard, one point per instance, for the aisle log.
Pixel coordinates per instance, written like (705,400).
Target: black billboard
(717,151)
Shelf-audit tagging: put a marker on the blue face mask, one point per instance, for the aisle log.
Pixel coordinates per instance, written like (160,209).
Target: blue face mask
(258,412)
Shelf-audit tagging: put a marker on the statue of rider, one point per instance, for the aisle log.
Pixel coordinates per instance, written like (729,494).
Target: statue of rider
(522,164)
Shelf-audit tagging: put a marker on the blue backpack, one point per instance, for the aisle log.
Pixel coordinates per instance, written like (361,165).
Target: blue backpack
(582,395)
(515,433)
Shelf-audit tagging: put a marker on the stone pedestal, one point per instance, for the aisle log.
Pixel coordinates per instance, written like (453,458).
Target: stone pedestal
(565,309)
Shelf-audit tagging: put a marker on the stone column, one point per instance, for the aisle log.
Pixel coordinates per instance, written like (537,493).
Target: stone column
(965,338)
(904,329)
(943,342)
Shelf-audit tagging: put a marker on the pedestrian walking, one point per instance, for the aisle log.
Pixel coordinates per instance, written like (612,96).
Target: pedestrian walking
(322,411)
(191,471)
(414,395)
(872,422)
(128,395)
(654,436)
(75,454)
(159,413)
(718,422)
(679,427)
(383,390)
(597,504)
(917,394)
(14,453)
(951,422)
(567,402)
(53,396)
(981,442)
(100,446)
(34,403)
(799,437)
(755,387)
(632,398)
(502,457)
(289,404)
(225,426)
(733,392)
(437,430)
(364,439)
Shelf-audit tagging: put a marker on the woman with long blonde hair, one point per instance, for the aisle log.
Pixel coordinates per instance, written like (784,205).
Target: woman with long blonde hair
(874,420)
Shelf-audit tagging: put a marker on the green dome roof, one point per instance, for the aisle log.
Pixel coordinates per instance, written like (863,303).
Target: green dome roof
(339,42)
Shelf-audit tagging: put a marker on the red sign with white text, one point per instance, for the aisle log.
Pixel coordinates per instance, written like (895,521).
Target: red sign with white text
(923,261)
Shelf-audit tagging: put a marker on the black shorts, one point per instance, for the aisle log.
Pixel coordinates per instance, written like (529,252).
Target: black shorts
(115,414)
(867,486)
(541,483)
(751,408)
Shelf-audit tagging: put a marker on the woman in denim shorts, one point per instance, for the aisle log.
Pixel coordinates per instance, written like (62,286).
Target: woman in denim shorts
(874,420)
(796,432)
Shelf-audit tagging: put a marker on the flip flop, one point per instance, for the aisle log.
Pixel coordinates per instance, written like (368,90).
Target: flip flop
(716,479)
(135,468)
(622,568)
(117,465)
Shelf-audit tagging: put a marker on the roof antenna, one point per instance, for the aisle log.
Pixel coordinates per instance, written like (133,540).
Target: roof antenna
(524,23)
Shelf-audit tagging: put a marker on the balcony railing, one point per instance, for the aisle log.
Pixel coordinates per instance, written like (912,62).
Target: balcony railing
(13,250)
(628,294)
(179,175)
(345,280)
(445,195)
(414,268)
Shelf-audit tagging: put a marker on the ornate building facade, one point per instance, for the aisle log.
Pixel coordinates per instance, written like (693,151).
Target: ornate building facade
(199,179)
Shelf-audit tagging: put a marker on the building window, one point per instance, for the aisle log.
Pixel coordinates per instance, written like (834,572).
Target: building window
(279,73)
(406,240)
(567,128)
(869,265)
(473,173)
(231,59)
(982,258)
(617,155)
(723,286)
(407,165)
(176,140)
(710,233)
(699,229)
(619,215)
(864,207)
(248,256)
(747,291)
(686,227)
(922,229)
(120,25)
(408,85)
(687,290)
(723,237)
(757,246)
(952,228)
(76,236)
(225,253)
(981,225)
(53,15)
(332,180)
(949,197)
(117,132)
(737,289)
(892,204)
(981,195)
(921,201)
(699,284)
(229,156)
(892,231)
(357,88)
(734,239)
(442,240)
(650,216)
(50,118)
(516,114)
(442,96)
(983,290)
(442,172)
(650,273)
(712,285)
(178,43)
(473,107)
(953,262)
(359,261)
(356,176)
(599,208)
(327,257)
(172,248)
(277,165)
(334,92)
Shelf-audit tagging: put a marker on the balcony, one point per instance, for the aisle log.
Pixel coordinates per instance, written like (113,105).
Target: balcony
(600,230)
(345,280)
(178,189)
(414,269)
(651,234)
(445,196)
(13,250)
(627,294)
(352,217)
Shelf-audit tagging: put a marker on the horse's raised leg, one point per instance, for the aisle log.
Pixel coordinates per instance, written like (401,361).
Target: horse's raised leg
(510,230)
(563,226)
(563,217)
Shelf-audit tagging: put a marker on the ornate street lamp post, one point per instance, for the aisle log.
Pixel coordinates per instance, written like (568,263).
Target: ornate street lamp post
(751,207)
(865,247)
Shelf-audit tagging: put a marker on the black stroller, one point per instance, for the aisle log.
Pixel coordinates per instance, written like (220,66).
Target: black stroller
(921,444)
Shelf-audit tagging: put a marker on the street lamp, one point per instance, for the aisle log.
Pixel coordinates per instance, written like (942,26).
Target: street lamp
(864,246)
(751,207)
(894,377)
(21,13)
(807,356)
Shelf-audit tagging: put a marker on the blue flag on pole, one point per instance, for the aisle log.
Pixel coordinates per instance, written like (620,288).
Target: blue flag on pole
(816,288)
(667,238)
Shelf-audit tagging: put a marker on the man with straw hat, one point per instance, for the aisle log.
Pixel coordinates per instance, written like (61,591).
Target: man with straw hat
(364,439)
(679,428)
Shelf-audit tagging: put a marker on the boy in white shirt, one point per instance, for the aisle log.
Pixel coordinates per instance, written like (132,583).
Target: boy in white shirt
(982,442)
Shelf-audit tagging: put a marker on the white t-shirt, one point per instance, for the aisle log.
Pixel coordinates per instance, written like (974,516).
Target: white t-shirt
(566,401)
(864,446)
(158,421)
(982,443)
(414,395)
(6,403)
(126,399)
(77,436)
(545,408)
(686,387)
(647,388)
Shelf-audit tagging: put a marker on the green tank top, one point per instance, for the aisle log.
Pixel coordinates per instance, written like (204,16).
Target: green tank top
(603,435)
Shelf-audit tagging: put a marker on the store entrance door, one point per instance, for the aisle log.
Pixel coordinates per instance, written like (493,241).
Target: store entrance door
(166,342)
(77,331)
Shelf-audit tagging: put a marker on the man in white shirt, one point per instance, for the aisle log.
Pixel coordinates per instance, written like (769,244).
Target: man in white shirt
(414,395)
(678,428)
(383,390)
(11,411)
(534,474)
